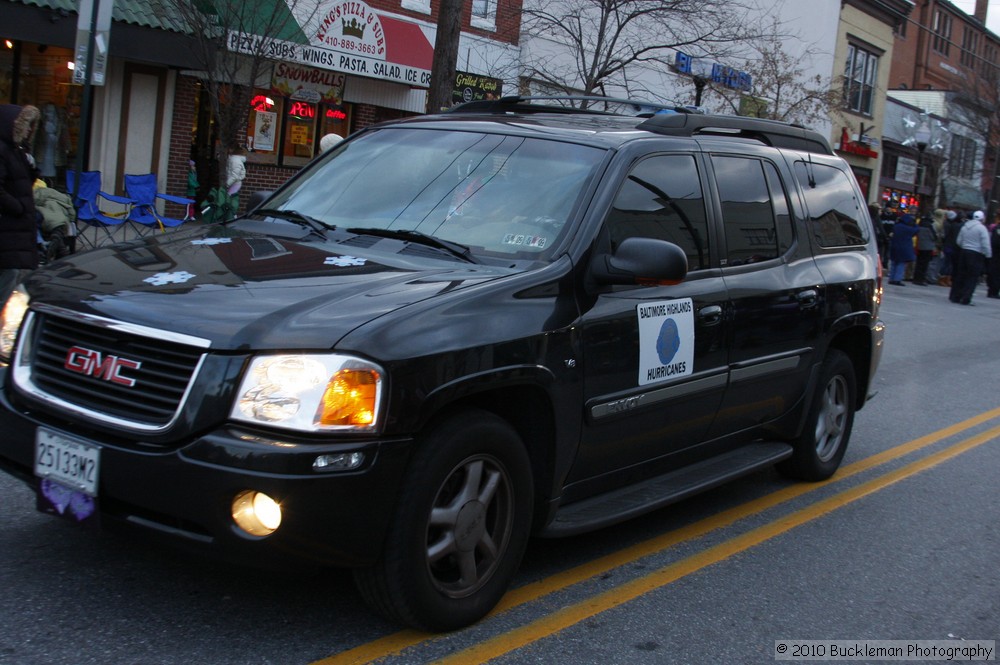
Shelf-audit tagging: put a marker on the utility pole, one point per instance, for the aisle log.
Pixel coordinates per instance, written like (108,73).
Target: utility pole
(449,28)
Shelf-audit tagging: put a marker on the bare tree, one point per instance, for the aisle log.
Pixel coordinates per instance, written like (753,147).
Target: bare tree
(779,87)
(236,42)
(973,103)
(608,39)
(449,29)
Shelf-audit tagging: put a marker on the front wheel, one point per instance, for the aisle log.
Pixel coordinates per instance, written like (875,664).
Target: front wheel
(460,528)
(819,449)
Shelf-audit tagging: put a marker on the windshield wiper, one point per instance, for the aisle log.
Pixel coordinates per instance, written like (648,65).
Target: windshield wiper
(457,250)
(303,219)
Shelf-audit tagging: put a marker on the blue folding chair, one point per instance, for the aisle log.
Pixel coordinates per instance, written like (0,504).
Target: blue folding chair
(141,189)
(88,206)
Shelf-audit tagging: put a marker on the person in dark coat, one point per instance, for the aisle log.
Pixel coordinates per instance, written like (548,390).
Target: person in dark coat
(18,218)
(901,250)
(993,264)
(949,251)
(926,244)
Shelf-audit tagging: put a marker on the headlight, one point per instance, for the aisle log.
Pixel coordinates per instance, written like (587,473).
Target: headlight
(11,317)
(310,393)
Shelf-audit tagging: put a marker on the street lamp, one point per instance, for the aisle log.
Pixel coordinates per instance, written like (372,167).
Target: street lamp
(922,138)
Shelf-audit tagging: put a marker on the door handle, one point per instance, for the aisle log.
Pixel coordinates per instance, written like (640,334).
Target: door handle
(807,298)
(710,315)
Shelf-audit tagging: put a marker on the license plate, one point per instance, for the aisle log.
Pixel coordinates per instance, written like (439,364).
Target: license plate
(70,462)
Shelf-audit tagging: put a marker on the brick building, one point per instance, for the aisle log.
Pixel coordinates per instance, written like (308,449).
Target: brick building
(944,71)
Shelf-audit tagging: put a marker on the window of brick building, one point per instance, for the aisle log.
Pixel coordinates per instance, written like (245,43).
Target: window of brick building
(942,32)
(860,77)
(484,14)
(988,65)
(962,160)
(970,46)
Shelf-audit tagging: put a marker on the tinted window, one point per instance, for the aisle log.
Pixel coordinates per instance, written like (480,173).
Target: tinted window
(662,198)
(835,212)
(754,210)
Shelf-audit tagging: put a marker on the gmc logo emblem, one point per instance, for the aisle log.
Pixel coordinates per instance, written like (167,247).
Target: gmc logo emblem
(107,368)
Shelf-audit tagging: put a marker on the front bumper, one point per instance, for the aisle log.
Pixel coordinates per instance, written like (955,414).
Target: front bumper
(184,492)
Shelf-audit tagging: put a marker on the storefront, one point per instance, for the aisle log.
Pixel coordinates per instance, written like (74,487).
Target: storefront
(349,65)
(286,122)
(41,75)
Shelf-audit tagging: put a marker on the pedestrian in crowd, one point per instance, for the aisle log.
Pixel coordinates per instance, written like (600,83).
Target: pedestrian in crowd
(940,217)
(192,189)
(236,172)
(993,264)
(19,225)
(949,250)
(888,220)
(901,252)
(881,241)
(926,246)
(973,249)
(328,141)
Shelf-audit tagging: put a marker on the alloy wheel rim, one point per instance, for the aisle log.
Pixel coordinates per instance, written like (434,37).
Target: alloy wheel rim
(469,526)
(832,419)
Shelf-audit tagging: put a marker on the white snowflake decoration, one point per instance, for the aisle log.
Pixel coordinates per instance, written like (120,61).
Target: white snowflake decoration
(344,261)
(212,241)
(161,278)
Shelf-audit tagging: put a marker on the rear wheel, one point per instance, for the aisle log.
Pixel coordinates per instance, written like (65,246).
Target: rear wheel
(820,447)
(460,528)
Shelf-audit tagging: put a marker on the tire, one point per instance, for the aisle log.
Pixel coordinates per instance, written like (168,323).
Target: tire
(819,449)
(460,529)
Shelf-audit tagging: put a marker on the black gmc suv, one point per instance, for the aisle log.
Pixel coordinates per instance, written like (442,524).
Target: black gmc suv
(451,333)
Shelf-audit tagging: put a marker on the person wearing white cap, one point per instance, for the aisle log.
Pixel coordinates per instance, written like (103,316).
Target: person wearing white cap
(973,249)
(328,141)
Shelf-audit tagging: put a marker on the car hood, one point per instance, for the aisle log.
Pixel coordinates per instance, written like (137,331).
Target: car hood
(244,290)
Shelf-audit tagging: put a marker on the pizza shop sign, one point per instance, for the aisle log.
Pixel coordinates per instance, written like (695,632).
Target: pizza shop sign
(346,36)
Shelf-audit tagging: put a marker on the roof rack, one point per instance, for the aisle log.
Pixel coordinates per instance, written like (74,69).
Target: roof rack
(771,132)
(587,104)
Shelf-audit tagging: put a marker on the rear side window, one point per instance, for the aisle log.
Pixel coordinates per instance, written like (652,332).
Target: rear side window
(662,198)
(836,214)
(754,210)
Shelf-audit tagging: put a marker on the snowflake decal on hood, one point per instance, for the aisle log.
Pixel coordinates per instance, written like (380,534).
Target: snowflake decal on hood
(344,261)
(161,278)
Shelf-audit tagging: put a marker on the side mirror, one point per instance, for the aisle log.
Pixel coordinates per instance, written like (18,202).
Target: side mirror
(257,198)
(641,261)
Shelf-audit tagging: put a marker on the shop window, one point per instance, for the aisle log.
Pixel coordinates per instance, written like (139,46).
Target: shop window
(335,120)
(299,134)
(263,128)
(286,132)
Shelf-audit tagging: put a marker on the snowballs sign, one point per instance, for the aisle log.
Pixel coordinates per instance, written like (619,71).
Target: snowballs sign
(349,36)
(666,340)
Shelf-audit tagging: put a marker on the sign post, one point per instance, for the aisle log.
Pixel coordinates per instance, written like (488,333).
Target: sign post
(93,30)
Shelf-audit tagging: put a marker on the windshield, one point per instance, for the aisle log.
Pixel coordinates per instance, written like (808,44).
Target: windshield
(498,195)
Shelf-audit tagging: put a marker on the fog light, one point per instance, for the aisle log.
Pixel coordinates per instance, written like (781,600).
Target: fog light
(256,513)
(341,462)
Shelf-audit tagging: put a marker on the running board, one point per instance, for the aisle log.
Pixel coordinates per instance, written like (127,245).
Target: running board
(628,502)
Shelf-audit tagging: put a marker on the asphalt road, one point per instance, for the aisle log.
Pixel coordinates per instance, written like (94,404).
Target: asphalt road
(901,545)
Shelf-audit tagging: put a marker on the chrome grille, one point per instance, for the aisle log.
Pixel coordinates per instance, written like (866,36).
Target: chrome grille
(162,370)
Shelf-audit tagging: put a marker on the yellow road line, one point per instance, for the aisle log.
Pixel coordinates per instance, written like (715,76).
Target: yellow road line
(396,643)
(573,614)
